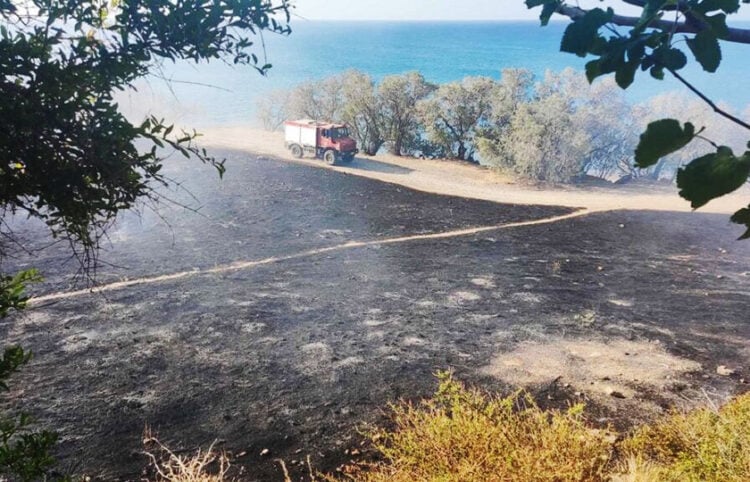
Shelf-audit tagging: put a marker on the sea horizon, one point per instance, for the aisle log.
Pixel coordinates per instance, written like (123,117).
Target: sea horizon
(443,51)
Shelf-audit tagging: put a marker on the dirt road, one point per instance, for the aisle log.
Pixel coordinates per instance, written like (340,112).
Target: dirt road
(474,182)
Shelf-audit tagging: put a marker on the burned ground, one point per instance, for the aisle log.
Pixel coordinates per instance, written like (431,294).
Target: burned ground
(295,354)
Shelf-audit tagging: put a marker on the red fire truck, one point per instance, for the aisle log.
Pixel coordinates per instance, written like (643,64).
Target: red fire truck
(324,140)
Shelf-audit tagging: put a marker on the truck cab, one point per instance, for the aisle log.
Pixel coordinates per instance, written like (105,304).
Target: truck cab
(324,140)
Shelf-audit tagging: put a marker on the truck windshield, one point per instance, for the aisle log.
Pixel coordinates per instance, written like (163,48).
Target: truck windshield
(339,133)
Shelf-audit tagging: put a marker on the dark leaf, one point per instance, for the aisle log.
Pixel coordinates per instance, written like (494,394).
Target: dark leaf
(727,6)
(626,74)
(712,176)
(743,217)
(580,35)
(706,49)
(670,58)
(661,138)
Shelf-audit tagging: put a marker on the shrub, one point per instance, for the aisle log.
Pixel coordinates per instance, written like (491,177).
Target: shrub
(703,445)
(464,435)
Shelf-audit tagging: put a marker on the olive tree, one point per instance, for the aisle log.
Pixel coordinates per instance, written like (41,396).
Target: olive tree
(542,142)
(537,133)
(320,100)
(513,90)
(611,123)
(456,112)
(399,95)
(273,109)
(652,44)
(362,111)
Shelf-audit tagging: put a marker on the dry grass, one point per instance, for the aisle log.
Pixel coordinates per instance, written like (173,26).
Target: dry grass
(203,466)
(707,444)
(464,435)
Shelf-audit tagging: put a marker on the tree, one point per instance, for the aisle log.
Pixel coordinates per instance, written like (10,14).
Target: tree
(68,157)
(362,111)
(511,92)
(652,44)
(611,124)
(399,95)
(693,110)
(273,109)
(67,154)
(541,141)
(455,113)
(320,100)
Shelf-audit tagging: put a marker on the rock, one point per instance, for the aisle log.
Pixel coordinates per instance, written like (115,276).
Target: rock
(615,394)
(725,371)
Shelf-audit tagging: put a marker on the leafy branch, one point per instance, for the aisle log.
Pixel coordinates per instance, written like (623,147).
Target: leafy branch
(650,45)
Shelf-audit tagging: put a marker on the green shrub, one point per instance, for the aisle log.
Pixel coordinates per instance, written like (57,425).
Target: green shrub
(24,453)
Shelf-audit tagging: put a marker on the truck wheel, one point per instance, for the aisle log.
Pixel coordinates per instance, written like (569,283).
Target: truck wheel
(296,151)
(330,157)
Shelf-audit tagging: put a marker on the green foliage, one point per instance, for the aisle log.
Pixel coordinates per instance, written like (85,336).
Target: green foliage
(743,217)
(581,34)
(713,175)
(68,156)
(555,132)
(12,291)
(456,112)
(661,138)
(399,96)
(652,45)
(705,47)
(24,453)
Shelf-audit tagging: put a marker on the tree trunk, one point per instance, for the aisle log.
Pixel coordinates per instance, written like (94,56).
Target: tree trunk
(396,147)
(372,147)
(461,151)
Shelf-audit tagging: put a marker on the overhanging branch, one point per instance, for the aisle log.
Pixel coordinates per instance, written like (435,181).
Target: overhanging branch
(735,35)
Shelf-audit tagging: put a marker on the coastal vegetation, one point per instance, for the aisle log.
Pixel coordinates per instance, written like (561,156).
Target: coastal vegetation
(658,41)
(557,128)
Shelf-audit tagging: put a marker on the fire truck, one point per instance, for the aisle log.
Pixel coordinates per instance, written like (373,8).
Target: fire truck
(323,140)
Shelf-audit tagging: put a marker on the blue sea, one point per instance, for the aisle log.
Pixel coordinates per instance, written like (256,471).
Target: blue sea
(441,51)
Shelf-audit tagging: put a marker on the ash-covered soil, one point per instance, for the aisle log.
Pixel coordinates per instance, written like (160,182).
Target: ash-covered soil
(294,355)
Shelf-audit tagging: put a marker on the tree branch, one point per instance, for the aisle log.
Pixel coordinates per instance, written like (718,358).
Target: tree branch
(735,35)
(708,101)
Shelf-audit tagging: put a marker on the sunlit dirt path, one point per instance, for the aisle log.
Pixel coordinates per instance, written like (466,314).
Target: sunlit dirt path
(244,265)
